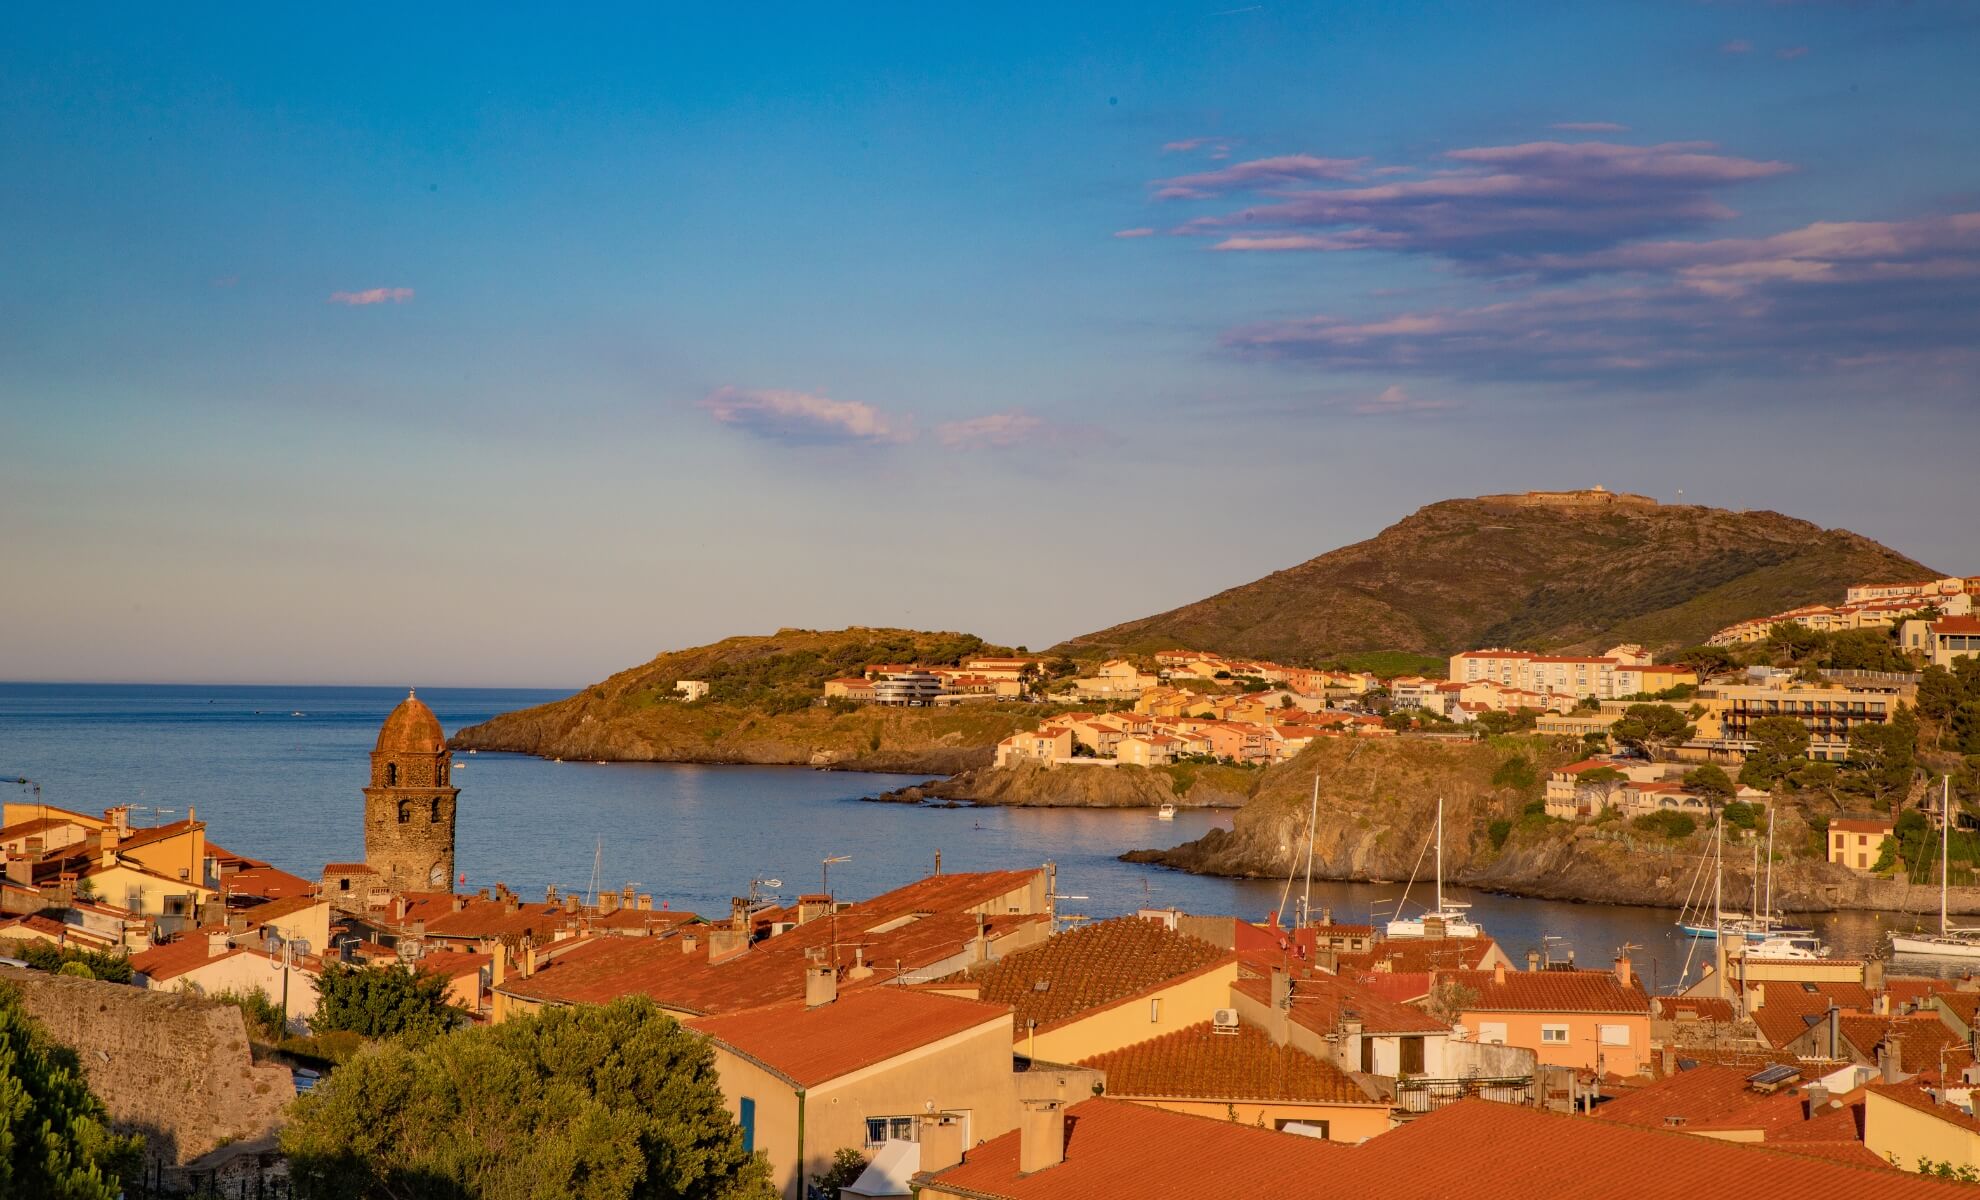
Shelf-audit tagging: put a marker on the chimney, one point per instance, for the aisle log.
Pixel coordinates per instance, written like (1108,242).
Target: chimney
(1818,1099)
(938,871)
(120,818)
(982,940)
(1499,971)
(646,902)
(821,985)
(1873,975)
(419,928)
(608,903)
(627,896)
(739,915)
(20,870)
(399,907)
(510,905)
(1888,1067)
(550,894)
(217,943)
(725,944)
(1041,1135)
(1624,974)
(1281,989)
(529,957)
(498,966)
(571,903)
(1880,1003)
(1533,960)
(237,923)
(690,943)
(460,903)
(941,1142)
(1326,916)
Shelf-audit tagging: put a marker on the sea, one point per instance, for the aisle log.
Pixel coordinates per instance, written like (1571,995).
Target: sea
(275,773)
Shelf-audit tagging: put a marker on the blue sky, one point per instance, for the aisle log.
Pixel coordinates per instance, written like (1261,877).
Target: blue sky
(515,346)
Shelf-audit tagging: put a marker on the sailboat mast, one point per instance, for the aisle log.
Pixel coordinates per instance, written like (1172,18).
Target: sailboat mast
(1718,878)
(1312,826)
(1440,855)
(1769,914)
(1945,846)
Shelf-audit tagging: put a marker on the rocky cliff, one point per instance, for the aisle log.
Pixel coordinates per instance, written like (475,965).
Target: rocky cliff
(1033,785)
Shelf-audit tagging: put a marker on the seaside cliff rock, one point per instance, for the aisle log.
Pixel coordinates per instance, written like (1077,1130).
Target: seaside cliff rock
(1034,785)
(1378,807)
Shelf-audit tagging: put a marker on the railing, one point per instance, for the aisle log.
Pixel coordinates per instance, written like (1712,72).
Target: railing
(1429,1095)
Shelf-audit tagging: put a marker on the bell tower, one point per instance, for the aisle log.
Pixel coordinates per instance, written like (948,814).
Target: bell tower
(409,807)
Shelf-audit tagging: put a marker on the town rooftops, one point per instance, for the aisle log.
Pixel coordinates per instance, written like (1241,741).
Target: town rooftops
(1091,967)
(1323,1003)
(813,1045)
(269,883)
(1204,1063)
(1945,625)
(1549,991)
(1421,954)
(188,951)
(1113,1148)
(1863,824)
(1711,1099)
(275,910)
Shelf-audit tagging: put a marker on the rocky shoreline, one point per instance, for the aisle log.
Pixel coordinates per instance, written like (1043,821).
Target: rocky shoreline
(1031,785)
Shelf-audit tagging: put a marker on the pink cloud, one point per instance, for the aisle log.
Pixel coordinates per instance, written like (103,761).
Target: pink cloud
(991,431)
(1141,232)
(1396,399)
(1217,147)
(1285,168)
(1737,46)
(379,295)
(1590,127)
(788,416)
(1791,52)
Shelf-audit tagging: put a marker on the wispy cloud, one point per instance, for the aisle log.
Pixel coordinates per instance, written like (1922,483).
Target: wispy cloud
(1481,203)
(1395,399)
(378,295)
(1141,232)
(1590,127)
(1791,52)
(1216,147)
(991,431)
(1737,46)
(804,417)
(1258,172)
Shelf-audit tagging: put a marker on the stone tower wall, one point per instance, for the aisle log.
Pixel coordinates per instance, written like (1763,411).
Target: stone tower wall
(409,823)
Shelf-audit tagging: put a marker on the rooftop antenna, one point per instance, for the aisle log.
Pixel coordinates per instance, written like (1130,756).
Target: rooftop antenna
(825,886)
(597,861)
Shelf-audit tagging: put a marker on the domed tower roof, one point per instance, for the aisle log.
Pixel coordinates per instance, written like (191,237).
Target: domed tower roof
(411,729)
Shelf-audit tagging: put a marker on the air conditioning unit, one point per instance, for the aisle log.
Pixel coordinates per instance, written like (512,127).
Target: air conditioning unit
(1224,1020)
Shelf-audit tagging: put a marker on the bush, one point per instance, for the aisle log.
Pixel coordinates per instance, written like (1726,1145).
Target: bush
(41,956)
(55,1139)
(1674,825)
(262,1015)
(1741,815)
(382,1002)
(1499,831)
(1517,773)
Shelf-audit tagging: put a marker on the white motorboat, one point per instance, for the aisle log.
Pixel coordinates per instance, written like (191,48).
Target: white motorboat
(1951,941)
(1166,813)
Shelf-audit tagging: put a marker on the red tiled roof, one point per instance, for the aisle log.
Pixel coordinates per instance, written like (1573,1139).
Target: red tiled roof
(1789,1011)
(1863,824)
(348,868)
(1703,1008)
(268,883)
(1508,1152)
(1421,954)
(1201,1063)
(158,833)
(1116,1149)
(1922,1041)
(1956,625)
(1091,967)
(175,958)
(35,923)
(1551,991)
(275,910)
(451,964)
(1322,1002)
(860,1029)
(1708,1098)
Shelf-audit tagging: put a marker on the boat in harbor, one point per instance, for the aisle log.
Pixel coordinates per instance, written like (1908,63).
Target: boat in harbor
(1449,918)
(1764,923)
(1951,941)
(1166,813)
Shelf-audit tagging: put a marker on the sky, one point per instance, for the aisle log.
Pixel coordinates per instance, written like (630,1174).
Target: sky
(512,346)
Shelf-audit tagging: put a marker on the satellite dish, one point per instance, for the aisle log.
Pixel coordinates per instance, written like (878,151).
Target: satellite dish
(773,883)
(301,946)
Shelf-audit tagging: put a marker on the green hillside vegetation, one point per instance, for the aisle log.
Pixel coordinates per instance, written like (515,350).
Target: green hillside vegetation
(763,707)
(1462,574)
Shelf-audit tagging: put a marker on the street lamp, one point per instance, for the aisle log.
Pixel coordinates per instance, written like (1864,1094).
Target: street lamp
(825,871)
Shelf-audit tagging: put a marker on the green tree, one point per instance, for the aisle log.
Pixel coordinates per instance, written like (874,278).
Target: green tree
(1939,693)
(1743,816)
(1652,728)
(611,1103)
(55,1139)
(1399,720)
(1603,781)
(1518,773)
(1780,745)
(1885,754)
(1794,641)
(847,1166)
(1666,823)
(1711,782)
(383,1002)
(1494,722)
(1705,659)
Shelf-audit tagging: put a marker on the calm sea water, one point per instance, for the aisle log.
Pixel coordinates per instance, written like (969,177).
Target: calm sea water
(275,772)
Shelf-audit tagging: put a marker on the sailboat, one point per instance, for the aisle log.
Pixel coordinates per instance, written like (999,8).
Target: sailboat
(1951,941)
(1449,914)
(1765,925)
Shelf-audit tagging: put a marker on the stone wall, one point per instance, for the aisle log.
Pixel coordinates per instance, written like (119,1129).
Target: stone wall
(174,1068)
(1590,498)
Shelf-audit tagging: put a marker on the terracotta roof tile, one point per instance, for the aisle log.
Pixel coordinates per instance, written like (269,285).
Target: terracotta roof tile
(1321,1002)
(1551,991)
(269,883)
(1708,1098)
(1922,1041)
(1118,1149)
(1201,1063)
(1421,954)
(860,1029)
(1090,967)
(176,957)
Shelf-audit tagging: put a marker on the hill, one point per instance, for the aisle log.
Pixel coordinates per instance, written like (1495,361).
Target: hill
(1548,571)
(759,708)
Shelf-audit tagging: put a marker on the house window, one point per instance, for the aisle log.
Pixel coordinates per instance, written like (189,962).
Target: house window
(343,885)
(1553,1035)
(1305,1128)
(1613,1035)
(435,816)
(1367,1055)
(747,1119)
(1154,1010)
(405,811)
(882,1129)
(391,774)
(1412,1056)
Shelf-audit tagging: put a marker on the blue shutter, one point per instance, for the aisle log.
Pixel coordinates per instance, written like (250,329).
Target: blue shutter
(749,1125)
